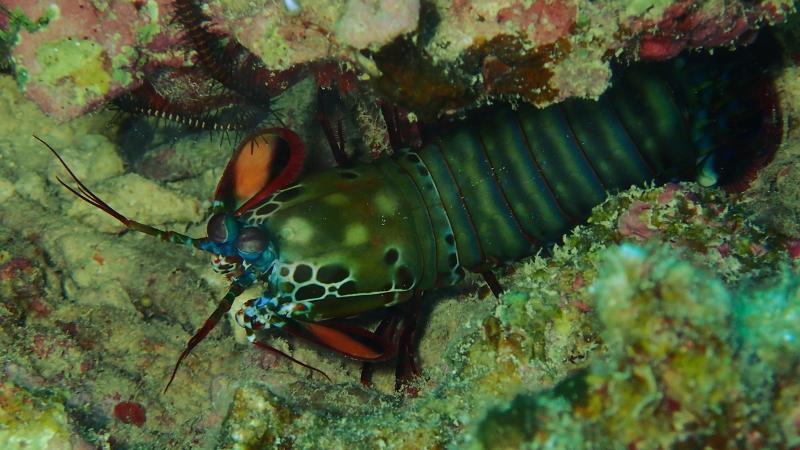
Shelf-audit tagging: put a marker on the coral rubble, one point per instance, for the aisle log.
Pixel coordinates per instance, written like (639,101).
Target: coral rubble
(71,56)
(565,358)
(33,422)
(683,366)
(669,320)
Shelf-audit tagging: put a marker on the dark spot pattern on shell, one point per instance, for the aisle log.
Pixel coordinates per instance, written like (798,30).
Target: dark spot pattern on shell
(309,292)
(349,287)
(285,196)
(302,273)
(332,273)
(267,209)
(391,256)
(449,239)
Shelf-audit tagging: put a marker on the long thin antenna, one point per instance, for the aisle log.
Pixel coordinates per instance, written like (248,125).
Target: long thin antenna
(85,194)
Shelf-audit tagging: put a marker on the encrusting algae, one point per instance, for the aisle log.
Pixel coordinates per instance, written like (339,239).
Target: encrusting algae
(670,320)
(682,365)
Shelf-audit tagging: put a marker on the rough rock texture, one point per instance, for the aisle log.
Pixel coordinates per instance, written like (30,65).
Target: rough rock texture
(771,198)
(683,366)
(435,58)
(35,422)
(71,56)
(670,320)
(93,322)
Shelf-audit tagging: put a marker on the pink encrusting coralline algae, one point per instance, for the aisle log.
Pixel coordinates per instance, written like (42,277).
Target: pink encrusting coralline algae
(72,56)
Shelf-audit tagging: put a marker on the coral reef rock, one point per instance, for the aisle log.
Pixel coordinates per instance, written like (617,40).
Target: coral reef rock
(433,57)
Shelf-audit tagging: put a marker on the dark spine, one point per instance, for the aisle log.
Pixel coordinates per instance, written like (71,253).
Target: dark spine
(203,110)
(229,62)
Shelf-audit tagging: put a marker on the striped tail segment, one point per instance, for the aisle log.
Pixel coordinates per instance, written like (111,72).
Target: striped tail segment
(733,109)
(509,182)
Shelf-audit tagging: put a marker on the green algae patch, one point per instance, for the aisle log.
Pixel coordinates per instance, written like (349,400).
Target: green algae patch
(651,8)
(120,64)
(18,21)
(79,64)
(685,365)
(149,13)
(28,422)
(274,49)
(10,37)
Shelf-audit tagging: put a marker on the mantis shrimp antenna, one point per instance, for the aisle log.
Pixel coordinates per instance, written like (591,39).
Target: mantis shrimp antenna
(85,194)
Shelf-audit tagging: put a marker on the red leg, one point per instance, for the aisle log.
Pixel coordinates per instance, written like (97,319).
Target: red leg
(402,132)
(401,328)
(388,330)
(407,368)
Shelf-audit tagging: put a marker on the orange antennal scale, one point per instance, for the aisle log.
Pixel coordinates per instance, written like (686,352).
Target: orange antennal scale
(264,162)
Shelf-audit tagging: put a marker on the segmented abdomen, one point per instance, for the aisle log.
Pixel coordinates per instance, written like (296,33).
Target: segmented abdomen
(504,184)
(510,182)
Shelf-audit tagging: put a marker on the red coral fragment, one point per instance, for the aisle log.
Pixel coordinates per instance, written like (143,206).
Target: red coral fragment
(131,413)
(684,24)
(668,193)
(659,48)
(548,20)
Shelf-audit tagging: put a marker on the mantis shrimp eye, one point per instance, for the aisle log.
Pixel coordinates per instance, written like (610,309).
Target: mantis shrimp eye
(251,242)
(222,228)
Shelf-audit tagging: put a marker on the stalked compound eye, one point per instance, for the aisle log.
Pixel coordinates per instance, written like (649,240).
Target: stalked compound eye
(251,242)
(222,228)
